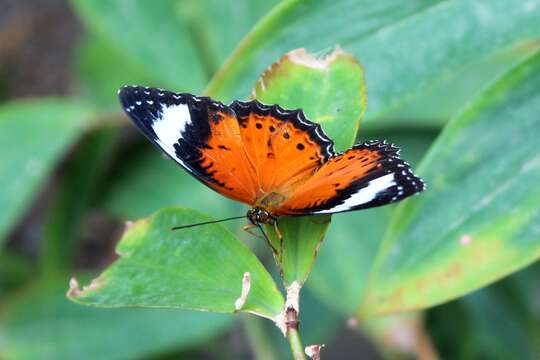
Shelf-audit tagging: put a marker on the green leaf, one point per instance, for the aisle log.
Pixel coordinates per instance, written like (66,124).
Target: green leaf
(332,92)
(217,26)
(151,35)
(173,43)
(346,256)
(389,38)
(297,251)
(510,303)
(195,268)
(40,323)
(75,191)
(34,135)
(434,106)
(14,271)
(477,221)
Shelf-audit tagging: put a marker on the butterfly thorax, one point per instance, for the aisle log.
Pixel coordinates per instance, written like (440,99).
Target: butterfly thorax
(269,201)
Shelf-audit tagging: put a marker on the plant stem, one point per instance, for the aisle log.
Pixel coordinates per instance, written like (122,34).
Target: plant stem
(293,335)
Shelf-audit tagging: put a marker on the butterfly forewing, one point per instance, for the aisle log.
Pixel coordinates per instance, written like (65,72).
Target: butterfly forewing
(284,148)
(200,134)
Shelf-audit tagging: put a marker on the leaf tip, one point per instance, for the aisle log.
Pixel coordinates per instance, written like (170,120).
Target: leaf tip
(302,57)
(246,287)
(75,291)
(128,225)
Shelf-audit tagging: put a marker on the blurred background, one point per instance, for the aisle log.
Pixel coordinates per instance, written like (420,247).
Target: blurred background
(73,170)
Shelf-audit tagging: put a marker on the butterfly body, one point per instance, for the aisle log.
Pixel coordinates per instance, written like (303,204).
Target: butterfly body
(258,215)
(275,160)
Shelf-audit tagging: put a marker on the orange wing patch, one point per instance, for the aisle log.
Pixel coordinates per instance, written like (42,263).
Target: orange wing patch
(224,160)
(333,177)
(283,151)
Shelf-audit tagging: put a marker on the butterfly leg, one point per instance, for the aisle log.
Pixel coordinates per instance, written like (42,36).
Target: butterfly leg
(248,228)
(278,233)
(280,238)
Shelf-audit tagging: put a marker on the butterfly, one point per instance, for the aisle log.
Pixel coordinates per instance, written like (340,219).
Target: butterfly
(275,160)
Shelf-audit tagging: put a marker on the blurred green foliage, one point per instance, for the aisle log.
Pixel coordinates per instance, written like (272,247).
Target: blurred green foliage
(468,69)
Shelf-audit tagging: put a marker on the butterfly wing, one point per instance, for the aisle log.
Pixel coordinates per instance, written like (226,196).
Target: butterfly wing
(198,133)
(267,156)
(368,175)
(284,147)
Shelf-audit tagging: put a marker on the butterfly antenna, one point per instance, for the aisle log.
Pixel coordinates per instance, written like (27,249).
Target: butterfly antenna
(207,222)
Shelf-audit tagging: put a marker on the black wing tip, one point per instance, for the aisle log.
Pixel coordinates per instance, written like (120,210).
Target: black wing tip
(382,146)
(134,98)
(407,183)
(130,95)
(294,116)
(138,92)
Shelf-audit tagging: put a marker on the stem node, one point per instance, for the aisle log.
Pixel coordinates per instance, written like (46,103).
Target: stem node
(292,324)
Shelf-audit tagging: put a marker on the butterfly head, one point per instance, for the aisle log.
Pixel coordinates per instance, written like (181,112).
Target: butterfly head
(259,216)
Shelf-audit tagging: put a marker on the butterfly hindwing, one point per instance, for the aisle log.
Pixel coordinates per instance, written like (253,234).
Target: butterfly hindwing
(367,175)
